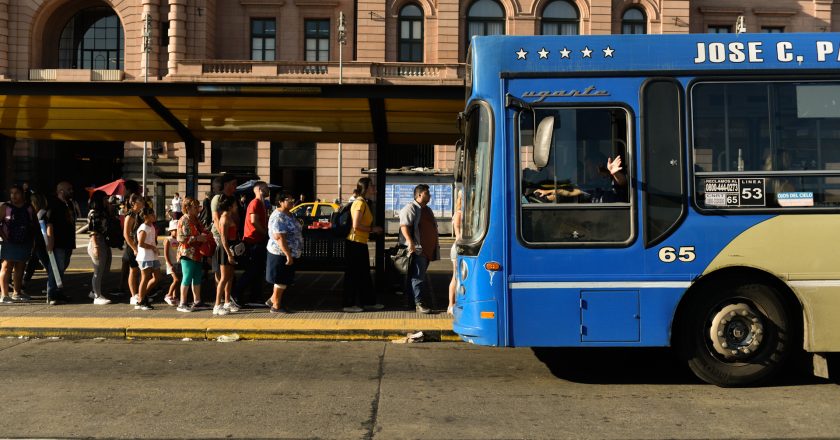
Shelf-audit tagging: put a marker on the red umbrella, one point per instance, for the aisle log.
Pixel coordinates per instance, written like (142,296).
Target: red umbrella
(115,187)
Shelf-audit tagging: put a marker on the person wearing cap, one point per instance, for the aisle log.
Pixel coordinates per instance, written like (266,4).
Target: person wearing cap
(173,266)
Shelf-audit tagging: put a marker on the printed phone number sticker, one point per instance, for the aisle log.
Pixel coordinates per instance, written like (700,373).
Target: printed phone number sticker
(733,193)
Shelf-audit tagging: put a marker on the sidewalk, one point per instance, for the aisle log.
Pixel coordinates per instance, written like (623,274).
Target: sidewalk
(314,299)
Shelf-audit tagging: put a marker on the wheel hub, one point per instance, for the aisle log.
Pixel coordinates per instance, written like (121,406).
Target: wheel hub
(736,331)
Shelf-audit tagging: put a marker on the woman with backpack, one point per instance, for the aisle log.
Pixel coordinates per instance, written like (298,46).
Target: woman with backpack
(17,231)
(99,220)
(358,288)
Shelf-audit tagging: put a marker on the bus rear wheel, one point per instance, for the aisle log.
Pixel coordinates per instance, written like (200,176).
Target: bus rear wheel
(738,336)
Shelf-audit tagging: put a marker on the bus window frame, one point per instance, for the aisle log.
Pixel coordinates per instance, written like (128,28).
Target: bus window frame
(643,154)
(693,175)
(632,203)
(473,246)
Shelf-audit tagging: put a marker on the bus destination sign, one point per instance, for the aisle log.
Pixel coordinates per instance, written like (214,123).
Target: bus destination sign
(733,193)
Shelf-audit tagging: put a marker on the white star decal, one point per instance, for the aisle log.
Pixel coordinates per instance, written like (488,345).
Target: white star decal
(543,53)
(565,53)
(586,52)
(608,52)
(521,54)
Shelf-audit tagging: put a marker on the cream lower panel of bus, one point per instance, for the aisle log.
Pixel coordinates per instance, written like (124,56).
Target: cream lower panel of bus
(804,251)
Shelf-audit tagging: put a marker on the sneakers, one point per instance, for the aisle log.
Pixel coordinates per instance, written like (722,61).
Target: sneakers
(145,306)
(281,310)
(101,301)
(22,297)
(423,310)
(184,308)
(233,304)
(133,300)
(57,298)
(220,310)
(353,309)
(374,307)
(169,300)
(6,300)
(199,306)
(269,303)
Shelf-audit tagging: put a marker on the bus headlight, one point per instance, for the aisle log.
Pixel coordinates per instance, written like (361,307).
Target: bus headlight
(464,271)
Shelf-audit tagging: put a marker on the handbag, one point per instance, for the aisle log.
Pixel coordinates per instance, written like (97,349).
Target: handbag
(402,259)
(208,247)
(237,249)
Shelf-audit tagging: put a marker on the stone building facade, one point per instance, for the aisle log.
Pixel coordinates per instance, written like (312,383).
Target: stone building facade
(396,42)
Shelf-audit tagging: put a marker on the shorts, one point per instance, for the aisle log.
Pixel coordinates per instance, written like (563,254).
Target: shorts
(153,264)
(15,253)
(276,271)
(221,257)
(176,269)
(129,257)
(214,260)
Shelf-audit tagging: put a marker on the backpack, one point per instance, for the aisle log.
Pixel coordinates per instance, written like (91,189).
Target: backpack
(341,221)
(17,227)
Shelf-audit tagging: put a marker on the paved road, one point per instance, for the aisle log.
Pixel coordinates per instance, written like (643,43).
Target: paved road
(175,389)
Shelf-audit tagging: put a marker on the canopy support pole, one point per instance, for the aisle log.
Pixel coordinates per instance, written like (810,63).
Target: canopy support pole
(193,148)
(380,135)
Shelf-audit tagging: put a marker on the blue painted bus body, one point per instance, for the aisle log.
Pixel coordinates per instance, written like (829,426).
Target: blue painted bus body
(612,295)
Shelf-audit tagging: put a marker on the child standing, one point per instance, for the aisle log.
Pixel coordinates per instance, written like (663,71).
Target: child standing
(147,259)
(173,266)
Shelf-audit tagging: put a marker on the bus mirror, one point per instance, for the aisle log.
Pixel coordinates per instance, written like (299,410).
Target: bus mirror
(542,141)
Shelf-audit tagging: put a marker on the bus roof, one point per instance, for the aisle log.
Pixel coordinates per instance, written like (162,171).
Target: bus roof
(634,54)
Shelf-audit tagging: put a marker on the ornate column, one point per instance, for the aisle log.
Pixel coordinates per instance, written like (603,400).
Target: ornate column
(150,8)
(177,33)
(4,38)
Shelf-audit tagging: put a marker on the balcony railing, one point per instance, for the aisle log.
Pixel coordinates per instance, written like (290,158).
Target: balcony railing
(75,75)
(319,72)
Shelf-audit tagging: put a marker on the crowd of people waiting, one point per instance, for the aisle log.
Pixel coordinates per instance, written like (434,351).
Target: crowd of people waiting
(208,237)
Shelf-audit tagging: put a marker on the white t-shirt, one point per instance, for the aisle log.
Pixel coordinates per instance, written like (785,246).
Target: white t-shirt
(176,204)
(144,254)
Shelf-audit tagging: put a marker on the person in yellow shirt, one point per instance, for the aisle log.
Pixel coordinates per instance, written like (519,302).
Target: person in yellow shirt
(358,288)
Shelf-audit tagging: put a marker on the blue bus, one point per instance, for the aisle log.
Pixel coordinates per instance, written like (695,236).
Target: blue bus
(653,191)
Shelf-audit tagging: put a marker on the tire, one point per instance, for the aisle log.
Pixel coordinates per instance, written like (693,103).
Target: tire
(754,339)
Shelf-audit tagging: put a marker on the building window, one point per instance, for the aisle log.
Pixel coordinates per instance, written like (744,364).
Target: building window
(773,29)
(234,157)
(717,29)
(317,40)
(92,39)
(485,17)
(411,34)
(263,39)
(633,22)
(560,18)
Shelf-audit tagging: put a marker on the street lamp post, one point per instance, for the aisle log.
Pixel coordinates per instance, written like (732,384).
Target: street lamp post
(147,49)
(342,40)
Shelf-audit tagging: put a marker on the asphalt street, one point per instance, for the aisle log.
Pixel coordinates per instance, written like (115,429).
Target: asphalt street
(363,390)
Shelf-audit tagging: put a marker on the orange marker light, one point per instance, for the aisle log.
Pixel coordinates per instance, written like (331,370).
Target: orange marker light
(492,265)
(488,315)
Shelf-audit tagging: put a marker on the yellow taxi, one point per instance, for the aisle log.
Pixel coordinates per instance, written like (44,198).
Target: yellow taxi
(314,212)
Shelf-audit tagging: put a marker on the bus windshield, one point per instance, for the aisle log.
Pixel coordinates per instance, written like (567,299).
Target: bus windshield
(476,173)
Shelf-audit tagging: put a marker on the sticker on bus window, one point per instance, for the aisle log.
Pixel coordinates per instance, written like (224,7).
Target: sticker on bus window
(795,198)
(734,193)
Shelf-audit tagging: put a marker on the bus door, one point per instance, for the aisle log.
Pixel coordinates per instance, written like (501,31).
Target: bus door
(576,261)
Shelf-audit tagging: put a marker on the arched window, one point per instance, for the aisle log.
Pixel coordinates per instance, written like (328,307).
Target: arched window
(560,18)
(411,34)
(485,17)
(92,39)
(633,22)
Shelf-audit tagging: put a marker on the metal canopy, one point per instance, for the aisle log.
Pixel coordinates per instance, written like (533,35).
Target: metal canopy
(184,112)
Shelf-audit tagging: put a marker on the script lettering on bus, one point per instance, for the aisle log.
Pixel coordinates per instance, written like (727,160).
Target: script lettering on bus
(589,91)
(753,52)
